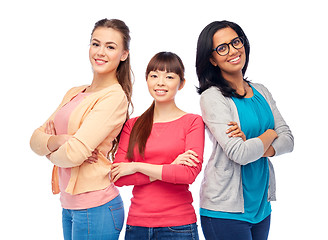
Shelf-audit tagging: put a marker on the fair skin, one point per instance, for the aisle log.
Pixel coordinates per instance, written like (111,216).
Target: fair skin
(163,86)
(231,66)
(105,53)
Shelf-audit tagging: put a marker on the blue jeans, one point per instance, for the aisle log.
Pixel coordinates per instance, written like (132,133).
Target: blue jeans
(226,229)
(103,223)
(184,232)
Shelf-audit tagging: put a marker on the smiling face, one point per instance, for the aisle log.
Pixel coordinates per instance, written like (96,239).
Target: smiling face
(234,61)
(163,86)
(106,50)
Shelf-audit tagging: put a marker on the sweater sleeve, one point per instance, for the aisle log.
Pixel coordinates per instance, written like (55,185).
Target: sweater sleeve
(217,112)
(133,179)
(107,116)
(181,174)
(285,141)
(39,139)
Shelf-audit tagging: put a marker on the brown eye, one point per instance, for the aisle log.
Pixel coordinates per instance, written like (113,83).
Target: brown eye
(222,48)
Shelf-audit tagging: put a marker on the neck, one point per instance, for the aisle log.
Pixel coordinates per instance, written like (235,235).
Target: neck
(165,112)
(236,81)
(101,81)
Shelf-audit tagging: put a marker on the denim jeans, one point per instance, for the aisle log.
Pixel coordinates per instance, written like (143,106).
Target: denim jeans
(226,229)
(184,232)
(103,223)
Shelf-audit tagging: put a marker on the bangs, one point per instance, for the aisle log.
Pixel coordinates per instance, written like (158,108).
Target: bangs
(168,62)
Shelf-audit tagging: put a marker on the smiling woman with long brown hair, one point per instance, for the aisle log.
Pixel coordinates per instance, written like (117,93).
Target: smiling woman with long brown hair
(85,127)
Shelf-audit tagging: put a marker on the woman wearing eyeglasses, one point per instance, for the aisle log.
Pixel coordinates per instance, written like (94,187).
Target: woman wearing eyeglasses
(246,128)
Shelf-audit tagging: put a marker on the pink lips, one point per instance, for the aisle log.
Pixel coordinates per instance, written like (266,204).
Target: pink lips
(100,61)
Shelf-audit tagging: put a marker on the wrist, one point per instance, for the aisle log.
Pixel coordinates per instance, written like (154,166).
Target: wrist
(51,145)
(135,167)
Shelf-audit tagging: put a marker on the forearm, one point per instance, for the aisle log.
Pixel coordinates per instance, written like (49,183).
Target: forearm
(151,170)
(267,138)
(270,152)
(56,141)
(135,173)
(133,179)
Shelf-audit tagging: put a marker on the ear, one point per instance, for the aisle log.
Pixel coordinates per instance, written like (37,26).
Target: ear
(182,84)
(124,55)
(212,60)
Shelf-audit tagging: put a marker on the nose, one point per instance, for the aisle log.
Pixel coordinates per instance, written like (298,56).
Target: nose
(101,51)
(161,81)
(232,50)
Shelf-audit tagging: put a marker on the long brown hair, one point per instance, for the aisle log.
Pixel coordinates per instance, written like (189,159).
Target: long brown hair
(162,61)
(124,72)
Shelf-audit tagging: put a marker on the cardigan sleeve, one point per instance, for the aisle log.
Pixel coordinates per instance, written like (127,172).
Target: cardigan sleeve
(133,179)
(194,140)
(285,141)
(217,112)
(107,116)
(39,139)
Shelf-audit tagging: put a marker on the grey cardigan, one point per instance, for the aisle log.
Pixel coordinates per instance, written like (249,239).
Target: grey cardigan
(221,188)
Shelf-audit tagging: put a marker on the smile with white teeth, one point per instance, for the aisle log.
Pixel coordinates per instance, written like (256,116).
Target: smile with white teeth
(235,59)
(160,91)
(100,61)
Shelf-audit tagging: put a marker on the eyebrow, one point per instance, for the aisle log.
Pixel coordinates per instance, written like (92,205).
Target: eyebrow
(95,39)
(228,42)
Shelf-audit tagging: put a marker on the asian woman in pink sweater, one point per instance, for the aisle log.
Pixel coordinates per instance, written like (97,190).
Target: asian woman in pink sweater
(161,153)
(84,127)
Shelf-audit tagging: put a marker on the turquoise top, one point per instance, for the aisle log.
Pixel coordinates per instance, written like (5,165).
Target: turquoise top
(255,117)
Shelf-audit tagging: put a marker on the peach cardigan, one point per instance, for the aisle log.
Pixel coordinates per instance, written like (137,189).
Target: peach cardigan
(93,124)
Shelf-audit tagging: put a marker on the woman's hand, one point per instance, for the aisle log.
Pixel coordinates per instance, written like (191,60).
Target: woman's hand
(55,141)
(122,169)
(187,158)
(235,131)
(93,158)
(50,128)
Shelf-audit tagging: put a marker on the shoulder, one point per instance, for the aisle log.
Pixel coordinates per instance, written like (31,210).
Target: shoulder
(211,91)
(189,120)
(130,122)
(191,117)
(75,90)
(263,90)
(213,98)
(260,87)
(112,95)
(115,89)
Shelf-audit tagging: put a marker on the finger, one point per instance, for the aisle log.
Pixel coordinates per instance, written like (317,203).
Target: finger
(191,163)
(92,160)
(234,133)
(232,129)
(232,123)
(115,165)
(186,163)
(52,127)
(193,153)
(193,158)
(115,178)
(46,129)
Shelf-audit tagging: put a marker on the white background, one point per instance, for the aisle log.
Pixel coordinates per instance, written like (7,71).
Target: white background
(44,52)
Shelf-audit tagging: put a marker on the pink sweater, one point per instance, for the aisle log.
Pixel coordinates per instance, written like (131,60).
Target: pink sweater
(167,202)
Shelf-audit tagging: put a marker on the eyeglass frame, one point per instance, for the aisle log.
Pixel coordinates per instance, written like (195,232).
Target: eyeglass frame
(228,44)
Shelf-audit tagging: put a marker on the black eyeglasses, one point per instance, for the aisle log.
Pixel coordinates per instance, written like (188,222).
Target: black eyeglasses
(223,49)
